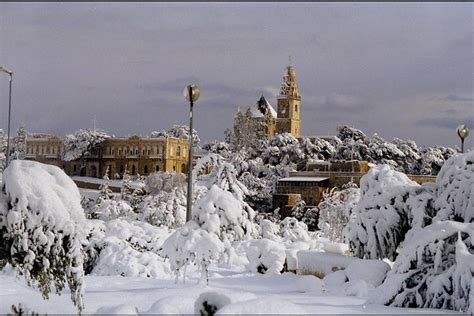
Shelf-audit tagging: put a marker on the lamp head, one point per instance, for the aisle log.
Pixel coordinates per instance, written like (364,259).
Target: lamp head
(5,70)
(463,131)
(191,93)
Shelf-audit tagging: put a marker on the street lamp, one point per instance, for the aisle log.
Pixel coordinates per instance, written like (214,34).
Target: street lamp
(10,73)
(463,132)
(191,93)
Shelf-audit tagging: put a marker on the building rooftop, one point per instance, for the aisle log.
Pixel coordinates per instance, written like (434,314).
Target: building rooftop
(304,179)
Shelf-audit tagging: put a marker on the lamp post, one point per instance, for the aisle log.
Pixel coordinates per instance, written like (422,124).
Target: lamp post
(463,132)
(10,73)
(191,93)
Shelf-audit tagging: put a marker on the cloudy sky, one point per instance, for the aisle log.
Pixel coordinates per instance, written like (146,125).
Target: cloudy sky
(399,69)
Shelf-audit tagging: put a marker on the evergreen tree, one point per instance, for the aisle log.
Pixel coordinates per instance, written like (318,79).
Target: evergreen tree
(19,144)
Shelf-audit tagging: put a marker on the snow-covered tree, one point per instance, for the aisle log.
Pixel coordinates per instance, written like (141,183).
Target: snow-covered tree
(298,210)
(335,210)
(3,150)
(192,244)
(126,189)
(105,191)
(178,131)
(403,156)
(41,223)
(79,144)
(19,144)
(432,228)
(380,220)
(222,213)
(248,131)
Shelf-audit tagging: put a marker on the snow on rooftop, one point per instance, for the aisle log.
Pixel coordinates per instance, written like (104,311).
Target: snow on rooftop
(305,179)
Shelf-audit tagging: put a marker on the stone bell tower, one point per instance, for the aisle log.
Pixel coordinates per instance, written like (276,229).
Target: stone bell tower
(289,102)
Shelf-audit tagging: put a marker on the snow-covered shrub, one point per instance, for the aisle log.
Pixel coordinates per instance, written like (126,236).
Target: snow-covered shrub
(81,142)
(221,213)
(42,223)
(380,220)
(126,248)
(208,303)
(371,271)
(164,181)
(321,263)
(298,211)
(265,256)
(335,210)
(435,264)
(192,244)
(293,230)
(269,229)
(108,209)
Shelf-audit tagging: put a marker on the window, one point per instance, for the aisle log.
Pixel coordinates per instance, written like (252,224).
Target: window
(145,169)
(143,152)
(112,151)
(136,151)
(120,152)
(174,168)
(121,168)
(296,107)
(74,168)
(157,168)
(183,168)
(133,169)
(149,151)
(178,151)
(131,151)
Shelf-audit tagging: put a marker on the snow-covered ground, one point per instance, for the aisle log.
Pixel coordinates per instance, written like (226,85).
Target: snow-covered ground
(248,293)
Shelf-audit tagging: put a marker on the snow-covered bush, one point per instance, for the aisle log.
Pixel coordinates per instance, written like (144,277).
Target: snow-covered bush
(221,213)
(192,244)
(265,256)
(42,223)
(293,230)
(380,220)
(124,247)
(81,142)
(208,303)
(335,210)
(164,181)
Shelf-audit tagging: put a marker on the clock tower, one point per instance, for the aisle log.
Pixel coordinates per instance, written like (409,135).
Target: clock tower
(288,103)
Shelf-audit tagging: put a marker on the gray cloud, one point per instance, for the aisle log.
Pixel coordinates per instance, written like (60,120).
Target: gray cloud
(456,98)
(382,67)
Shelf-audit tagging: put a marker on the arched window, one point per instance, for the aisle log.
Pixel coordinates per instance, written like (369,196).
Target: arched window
(178,151)
(136,151)
(183,168)
(157,168)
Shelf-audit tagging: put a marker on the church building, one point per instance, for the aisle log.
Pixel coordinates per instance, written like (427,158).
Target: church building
(261,120)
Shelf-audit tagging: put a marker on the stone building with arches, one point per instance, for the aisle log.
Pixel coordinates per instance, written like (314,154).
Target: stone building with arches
(137,155)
